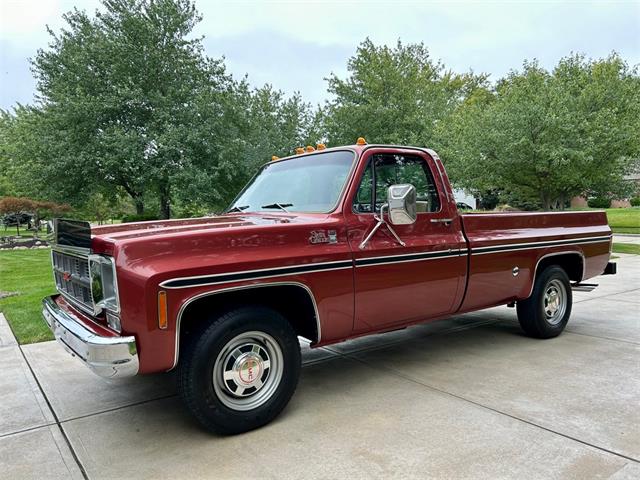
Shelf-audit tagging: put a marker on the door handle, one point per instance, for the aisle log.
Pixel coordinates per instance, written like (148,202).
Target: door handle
(446,221)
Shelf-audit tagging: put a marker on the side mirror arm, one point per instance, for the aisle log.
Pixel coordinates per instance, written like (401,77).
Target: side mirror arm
(381,222)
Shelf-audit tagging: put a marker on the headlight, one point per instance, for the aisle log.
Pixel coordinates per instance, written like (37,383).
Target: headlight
(104,287)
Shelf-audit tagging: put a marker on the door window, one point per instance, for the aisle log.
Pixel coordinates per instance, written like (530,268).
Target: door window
(386,170)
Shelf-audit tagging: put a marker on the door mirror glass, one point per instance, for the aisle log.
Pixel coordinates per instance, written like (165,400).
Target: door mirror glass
(402,204)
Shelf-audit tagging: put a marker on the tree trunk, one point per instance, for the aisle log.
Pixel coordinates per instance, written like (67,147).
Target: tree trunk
(139,202)
(165,208)
(137,197)
(165,202)
(561,203)
(36,223)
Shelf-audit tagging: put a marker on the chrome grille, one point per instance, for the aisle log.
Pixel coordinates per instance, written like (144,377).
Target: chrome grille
(71,273)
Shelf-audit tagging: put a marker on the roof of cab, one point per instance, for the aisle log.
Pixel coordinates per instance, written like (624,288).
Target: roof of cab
(357,148)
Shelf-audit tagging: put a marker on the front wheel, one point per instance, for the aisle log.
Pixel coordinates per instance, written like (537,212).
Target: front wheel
(241,371)
(546,312)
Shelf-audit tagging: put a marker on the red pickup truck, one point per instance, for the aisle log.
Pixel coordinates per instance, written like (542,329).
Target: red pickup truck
(328,245)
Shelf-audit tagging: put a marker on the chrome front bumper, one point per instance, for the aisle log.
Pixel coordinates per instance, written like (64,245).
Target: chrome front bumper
(106,356)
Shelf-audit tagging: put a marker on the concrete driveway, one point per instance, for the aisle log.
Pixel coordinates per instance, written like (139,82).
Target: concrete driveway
(469,397)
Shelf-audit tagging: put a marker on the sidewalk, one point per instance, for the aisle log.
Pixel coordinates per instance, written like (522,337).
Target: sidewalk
(626,238)
(32,443)
(469,397)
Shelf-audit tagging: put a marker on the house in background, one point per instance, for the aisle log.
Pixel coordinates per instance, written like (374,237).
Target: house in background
(581,202)
(463,197)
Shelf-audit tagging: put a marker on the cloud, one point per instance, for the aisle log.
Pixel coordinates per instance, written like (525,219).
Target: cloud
(294,45)
(17,85)
(287,63)
(21,18)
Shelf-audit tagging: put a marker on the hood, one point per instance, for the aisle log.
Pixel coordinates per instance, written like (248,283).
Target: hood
(125,231)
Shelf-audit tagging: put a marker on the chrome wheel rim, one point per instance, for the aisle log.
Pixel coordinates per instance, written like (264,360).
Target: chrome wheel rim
(554,302)
(248,370)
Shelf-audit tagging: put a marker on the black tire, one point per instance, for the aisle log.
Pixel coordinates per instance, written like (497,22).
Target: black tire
(240,348)
(534,312)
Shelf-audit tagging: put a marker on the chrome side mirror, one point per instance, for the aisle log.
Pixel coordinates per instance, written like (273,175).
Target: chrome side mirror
(402,204)
(402,210)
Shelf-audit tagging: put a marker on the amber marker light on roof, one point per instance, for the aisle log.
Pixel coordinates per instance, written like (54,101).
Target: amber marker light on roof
(163,321)
(321,146)
(361,141)
(299,150)
(310,149)
(274,158)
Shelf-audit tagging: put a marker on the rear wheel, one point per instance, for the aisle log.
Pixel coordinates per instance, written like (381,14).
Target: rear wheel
(241,371)
(546,312)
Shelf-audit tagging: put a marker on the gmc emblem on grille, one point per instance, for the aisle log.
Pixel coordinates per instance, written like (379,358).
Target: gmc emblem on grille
(66,276)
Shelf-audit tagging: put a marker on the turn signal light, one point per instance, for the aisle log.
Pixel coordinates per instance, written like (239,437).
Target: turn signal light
(310,149)
(274,158)
(163,321)
(299,150)
(321,146)
(361,141)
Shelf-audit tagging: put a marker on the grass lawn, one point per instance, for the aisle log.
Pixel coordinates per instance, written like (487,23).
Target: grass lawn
(624,220)
(621,220)
(626,248)
(13,231)
(27,273)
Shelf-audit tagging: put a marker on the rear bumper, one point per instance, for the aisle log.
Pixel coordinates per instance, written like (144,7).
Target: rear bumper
(106,356)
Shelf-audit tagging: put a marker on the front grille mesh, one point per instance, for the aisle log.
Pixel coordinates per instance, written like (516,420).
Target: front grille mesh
(72,278)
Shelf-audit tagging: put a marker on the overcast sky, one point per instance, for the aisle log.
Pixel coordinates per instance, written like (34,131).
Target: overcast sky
(295,45)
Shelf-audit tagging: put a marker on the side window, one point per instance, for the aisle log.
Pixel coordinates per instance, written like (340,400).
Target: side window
(364,197)
(392,170)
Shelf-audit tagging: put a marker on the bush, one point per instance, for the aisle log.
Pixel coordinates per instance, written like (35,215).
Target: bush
(599,202)
(139,218)
(635,202)
(505,207)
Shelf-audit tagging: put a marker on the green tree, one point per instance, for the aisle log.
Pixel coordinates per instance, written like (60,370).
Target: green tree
(134,100)
(547,136)
(7,187)
(259,123)
(276,125)
(394,95)
(35,161)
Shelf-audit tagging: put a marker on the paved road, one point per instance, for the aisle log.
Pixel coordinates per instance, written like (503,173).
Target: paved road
(622,238)
(469,397)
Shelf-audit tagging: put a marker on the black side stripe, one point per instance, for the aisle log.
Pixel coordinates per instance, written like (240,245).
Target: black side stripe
(530,245)
(363,262)
(255,274)
(412,257)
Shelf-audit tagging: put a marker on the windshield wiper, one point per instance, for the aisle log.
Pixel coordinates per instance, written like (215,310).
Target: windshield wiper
(281,206)
(237,209)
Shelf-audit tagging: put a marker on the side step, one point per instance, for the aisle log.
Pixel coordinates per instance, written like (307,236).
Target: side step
(583,287)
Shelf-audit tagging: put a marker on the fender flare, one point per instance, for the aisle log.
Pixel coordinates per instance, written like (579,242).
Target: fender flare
(202,295)
(554,254)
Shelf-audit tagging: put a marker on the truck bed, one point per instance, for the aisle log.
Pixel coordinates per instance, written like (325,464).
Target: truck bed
(506,248)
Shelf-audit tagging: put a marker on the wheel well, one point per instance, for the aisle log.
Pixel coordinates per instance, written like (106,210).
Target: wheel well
(572,263)
(294,301)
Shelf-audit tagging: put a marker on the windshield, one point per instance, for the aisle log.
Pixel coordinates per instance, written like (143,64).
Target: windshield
(310,183)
